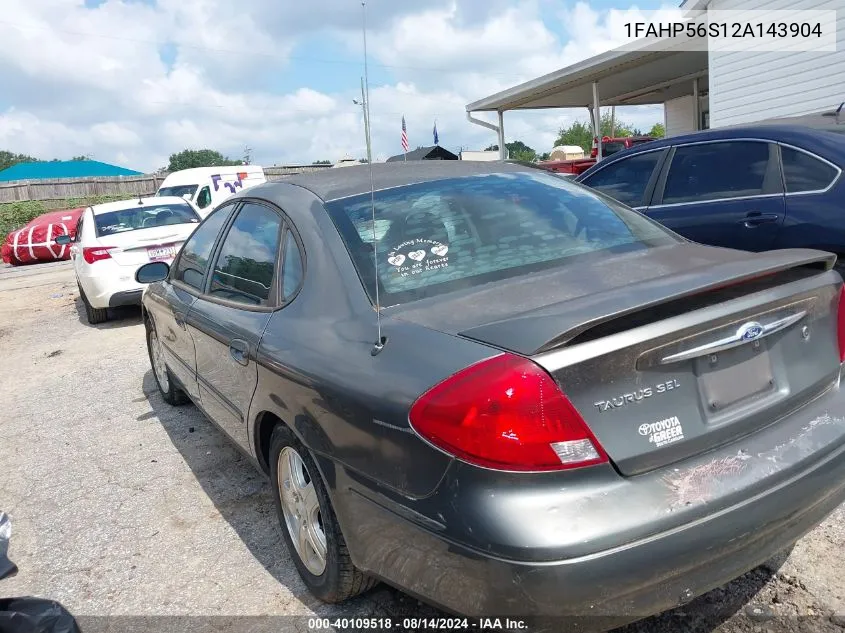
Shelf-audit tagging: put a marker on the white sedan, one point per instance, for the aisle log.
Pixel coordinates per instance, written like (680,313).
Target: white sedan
(113,240)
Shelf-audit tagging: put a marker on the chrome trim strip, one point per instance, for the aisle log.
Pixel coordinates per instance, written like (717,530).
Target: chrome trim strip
(734,340)
(709,200)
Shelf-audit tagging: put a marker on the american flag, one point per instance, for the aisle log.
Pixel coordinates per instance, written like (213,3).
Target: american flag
(404,136)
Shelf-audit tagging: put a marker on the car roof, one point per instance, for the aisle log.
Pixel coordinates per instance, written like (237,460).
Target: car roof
(333,184)
(825,143)
(131,203)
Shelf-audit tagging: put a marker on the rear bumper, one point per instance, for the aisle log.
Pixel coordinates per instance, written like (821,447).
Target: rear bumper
(623,582)
(126,298)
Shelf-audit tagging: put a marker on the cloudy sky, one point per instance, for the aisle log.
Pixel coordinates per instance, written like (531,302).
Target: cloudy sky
(132,81)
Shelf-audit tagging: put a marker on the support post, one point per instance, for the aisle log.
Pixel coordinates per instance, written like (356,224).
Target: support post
(696,105)
(502,149)
(597,120)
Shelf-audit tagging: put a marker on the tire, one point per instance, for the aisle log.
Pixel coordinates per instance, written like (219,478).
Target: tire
(94,315)
(170,393)
(339,579)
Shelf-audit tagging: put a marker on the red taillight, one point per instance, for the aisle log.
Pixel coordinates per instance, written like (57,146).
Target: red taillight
(93,254)
(506,413)
(841,325)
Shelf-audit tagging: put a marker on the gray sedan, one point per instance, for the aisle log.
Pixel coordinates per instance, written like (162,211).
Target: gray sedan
(504,393)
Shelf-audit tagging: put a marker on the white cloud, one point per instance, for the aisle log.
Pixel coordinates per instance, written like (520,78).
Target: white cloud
(131,83)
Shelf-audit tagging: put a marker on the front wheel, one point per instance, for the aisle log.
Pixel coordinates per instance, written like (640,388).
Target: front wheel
(170,393)
(309,524)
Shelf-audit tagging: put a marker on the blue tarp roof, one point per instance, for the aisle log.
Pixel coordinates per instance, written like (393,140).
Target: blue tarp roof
(64,169)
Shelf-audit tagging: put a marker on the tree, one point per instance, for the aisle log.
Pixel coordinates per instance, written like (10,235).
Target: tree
(322,162)
(7,159)
(544,156)
(81,158)
(189,158)
(581,133)
(657,130)
(517,150)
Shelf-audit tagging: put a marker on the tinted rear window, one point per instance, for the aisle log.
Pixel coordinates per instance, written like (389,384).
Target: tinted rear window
(144,216)
(446,235)
(611,148)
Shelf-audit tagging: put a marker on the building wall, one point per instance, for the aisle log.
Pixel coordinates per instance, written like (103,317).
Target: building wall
(747,87)
(679,116)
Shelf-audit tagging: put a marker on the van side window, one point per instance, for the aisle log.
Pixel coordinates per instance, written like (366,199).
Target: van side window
(204,197)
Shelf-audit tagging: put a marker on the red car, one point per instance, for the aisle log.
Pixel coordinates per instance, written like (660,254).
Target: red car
(609,146)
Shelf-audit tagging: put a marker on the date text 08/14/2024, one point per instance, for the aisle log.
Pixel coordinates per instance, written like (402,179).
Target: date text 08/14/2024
(422,624)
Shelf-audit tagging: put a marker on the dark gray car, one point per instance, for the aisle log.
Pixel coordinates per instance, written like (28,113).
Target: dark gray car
(570,410)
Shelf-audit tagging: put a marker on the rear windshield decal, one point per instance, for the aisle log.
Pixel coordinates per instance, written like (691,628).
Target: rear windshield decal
(417,256)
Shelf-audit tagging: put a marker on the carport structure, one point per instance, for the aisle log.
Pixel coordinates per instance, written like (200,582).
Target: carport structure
(650,74)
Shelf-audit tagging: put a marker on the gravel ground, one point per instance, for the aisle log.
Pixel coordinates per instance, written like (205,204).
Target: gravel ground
(124,508)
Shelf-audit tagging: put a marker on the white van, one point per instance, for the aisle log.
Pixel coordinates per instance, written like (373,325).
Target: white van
(207,187)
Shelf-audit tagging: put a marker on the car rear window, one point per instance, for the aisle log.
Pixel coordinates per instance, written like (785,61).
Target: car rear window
(144,216)
(611,148)
(436,237)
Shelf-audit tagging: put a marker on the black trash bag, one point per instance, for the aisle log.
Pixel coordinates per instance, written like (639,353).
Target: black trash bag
(7,567)
(35,615)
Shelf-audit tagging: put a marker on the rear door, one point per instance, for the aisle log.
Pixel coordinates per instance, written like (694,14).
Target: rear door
(179,292)
(815,200)
(630,180)
(227,322)
(722,193)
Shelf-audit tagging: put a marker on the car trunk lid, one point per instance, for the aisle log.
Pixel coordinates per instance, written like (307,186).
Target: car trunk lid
(667,367)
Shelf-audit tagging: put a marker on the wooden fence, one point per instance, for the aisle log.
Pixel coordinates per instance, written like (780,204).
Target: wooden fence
(82,188)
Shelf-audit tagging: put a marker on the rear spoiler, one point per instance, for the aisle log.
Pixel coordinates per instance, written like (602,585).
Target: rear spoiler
(562,323)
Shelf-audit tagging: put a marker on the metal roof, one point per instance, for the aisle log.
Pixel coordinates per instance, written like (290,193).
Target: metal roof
(628,76)
(63,169)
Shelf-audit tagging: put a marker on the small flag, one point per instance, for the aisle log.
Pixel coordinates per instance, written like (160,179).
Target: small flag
(404,136)
(436,138)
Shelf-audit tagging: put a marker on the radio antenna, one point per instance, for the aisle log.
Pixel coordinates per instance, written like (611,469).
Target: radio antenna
(380,341)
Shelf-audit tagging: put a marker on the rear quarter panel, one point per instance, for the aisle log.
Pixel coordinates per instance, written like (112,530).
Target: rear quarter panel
(815,220)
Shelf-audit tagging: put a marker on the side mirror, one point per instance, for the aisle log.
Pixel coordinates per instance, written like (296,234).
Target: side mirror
(152,272)
(61,240)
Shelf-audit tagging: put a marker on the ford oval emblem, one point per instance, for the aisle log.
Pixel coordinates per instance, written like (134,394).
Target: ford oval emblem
(750,331)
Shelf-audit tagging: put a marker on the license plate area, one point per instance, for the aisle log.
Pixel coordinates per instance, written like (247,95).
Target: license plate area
(734,377)
(162,252)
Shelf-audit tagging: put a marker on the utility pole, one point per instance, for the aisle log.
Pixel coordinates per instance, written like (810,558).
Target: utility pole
(363,104)
(247,157)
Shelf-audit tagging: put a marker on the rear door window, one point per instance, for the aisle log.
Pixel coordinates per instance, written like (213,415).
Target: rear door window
(626,180)
(713,171)
(456,233)
(246,263)
(192,264)
(292,268)
(803,172)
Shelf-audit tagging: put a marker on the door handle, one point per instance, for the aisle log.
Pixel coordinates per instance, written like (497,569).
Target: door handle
(755,218)
(239,350)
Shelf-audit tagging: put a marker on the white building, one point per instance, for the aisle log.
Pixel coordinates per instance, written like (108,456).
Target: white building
(698,89)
